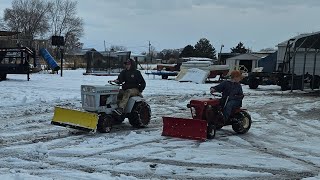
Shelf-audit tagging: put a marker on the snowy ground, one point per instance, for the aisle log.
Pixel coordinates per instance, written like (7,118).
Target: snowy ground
(283,142)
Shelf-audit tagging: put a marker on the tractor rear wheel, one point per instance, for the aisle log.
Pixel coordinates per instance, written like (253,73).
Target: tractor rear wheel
(105,123)
(211,131)
(243,123)
(140,115)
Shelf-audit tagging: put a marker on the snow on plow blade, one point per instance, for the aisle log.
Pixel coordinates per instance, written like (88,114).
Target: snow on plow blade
(85,121)
(195,129)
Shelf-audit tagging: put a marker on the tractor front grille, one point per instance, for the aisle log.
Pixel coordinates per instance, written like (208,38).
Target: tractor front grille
(89,101)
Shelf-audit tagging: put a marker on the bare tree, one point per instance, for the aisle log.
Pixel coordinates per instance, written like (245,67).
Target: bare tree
(166,54)
(3,25)
(28,17)
(153,52)
(65,22)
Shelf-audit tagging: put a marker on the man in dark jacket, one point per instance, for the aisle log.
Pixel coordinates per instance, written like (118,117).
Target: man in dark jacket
(232,93)
(132,85)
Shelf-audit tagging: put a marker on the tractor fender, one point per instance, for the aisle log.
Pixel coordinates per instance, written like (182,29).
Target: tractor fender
(131,103)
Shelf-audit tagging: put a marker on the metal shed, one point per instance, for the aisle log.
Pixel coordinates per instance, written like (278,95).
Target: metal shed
(310,43)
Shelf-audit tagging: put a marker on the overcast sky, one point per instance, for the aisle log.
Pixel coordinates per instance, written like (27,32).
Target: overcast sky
(177,23)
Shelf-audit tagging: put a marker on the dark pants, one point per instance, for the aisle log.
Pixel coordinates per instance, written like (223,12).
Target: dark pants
(231,105)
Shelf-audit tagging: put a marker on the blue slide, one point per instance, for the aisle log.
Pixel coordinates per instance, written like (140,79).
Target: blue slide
(49,59)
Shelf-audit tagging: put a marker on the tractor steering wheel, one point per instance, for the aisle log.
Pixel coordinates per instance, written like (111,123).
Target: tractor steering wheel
(114,83)
(215,94)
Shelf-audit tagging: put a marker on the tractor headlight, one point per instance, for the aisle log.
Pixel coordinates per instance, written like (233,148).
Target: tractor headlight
(93,90)
(193,112)
(84,89)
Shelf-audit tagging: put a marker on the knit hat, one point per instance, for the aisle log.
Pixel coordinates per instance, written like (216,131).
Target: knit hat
(235,74)
(127,62)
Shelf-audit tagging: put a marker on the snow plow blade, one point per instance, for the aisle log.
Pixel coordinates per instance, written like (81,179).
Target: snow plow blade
(195,129)
(85,121)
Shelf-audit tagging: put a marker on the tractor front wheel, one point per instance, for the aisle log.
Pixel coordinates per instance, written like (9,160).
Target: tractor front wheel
(243,123)
(104,123)
(140,115)
(211,131)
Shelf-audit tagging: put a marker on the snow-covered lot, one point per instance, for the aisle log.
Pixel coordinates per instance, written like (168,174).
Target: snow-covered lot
(283,142)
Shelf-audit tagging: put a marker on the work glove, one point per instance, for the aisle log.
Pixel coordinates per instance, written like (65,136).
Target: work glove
(212,90)
(140,89)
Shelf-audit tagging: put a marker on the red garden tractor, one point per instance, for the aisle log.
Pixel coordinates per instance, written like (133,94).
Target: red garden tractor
(207,117)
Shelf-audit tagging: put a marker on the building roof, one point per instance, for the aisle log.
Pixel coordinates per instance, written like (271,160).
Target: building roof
(137,55)
(311,41)
(312,37)
(114,53)
(81,52)
(248,56)
(197,59)
(8,33)
(108,54)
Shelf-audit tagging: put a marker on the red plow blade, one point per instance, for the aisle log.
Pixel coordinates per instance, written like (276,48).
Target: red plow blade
(195,129)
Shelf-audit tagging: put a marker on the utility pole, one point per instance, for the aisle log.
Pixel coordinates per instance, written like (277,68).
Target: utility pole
(104,42)
(149,55)
(150,52)
(219,55)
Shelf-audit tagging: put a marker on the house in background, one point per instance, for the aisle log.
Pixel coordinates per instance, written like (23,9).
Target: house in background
(88,58)
(139,58)
(222,57)
(269,63)
(247,62)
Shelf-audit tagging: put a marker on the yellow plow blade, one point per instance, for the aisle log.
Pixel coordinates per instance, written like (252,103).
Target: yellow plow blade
(75,119)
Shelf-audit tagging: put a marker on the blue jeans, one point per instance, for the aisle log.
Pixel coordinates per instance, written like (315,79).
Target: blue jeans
(231,105)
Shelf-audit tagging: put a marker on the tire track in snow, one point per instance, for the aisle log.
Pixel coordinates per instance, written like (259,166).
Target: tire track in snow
(286,175)
(269,111)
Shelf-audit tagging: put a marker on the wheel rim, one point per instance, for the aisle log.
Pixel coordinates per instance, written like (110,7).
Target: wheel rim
(245,122)
(108,129)
(107,124)
(212,133)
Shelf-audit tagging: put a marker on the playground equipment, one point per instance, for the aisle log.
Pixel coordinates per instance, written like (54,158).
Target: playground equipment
(49,59)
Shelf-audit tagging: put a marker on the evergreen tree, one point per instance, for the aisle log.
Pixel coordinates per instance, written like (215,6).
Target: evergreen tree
(187,51)
(203,48)
(239,49)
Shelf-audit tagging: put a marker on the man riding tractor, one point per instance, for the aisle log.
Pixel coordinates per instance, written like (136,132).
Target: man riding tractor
(132,85)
